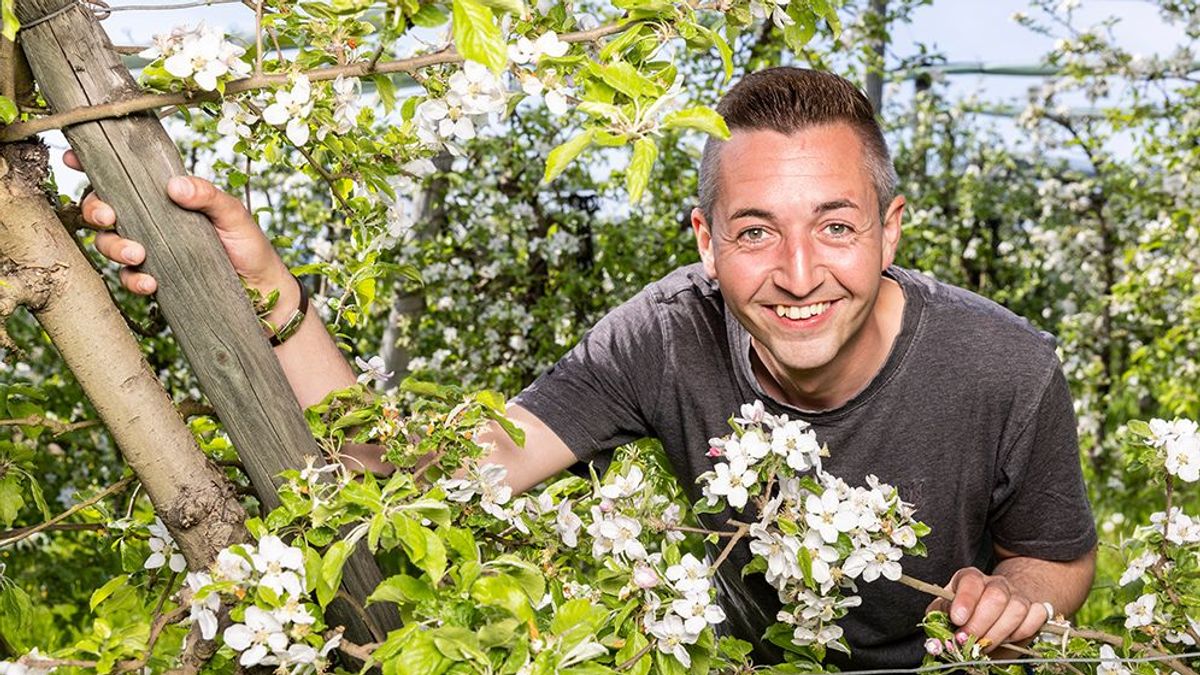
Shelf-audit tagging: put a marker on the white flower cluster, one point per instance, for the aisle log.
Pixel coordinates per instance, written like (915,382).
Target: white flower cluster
(200,53)
(549,85)
(1179,440)
(816,535)
(475,93)
(163,549)
(678,597)
(272,636)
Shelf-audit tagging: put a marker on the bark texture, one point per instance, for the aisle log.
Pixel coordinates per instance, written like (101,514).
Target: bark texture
(42,268)
(129,161)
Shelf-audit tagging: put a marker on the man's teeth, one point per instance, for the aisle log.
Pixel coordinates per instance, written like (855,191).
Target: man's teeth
(795,313)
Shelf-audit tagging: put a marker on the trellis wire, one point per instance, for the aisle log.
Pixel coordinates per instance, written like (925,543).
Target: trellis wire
(1026,661)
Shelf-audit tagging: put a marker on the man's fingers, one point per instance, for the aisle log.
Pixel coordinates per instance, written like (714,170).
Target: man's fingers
(118,249)
(1007,624)
(993,602)
(967,585)
(72,160)
(138,282)
(97,213)
(197,194)
(1035,618)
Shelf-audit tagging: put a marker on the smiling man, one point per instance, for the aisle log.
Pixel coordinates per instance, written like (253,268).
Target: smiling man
(949,397)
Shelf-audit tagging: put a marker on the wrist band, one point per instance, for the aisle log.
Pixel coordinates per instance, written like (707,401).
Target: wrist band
(289,327)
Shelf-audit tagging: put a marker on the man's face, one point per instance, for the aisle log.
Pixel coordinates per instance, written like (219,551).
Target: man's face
(797,245)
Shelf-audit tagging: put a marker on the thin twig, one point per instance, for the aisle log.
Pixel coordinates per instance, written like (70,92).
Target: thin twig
(742,529)
(636,657)
(106,492)
(57,427)
(57,527)
(361,652)
(160,622)
(22,130)
(258,41)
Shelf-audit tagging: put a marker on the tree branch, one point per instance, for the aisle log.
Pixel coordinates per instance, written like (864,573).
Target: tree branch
(106,492)
(22,130)
(57,427)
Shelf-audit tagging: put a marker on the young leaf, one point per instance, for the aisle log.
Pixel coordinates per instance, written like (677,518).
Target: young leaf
(561,156)
(476,35)
(8,110)
(700,118)
(640,165)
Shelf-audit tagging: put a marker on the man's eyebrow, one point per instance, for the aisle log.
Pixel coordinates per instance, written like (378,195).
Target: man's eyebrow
(834,205)
(752,212)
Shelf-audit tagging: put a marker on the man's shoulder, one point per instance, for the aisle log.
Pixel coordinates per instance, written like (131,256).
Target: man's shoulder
(959,318)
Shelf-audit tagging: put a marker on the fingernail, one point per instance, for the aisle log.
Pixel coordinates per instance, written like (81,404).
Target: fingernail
(144,286)
(180,187)
(959,616)
(128,254)
(105,215)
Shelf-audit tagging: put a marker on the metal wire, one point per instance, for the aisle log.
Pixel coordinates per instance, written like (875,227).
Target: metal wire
(1028,661)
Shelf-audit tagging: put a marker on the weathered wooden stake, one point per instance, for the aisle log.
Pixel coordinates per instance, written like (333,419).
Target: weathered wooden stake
(129,161)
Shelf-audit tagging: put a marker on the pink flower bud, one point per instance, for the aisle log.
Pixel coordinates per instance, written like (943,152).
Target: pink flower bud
(644,576)
(714,451)
(933,646)
(606,505)
(962,637)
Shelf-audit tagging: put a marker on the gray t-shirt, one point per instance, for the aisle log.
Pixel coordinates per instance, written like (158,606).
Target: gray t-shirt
(970,418)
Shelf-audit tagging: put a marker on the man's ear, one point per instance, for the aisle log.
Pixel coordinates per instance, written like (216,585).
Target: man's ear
(891,230)
(704,242)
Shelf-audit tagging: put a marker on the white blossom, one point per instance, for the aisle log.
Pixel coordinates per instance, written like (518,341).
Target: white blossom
(281,566)
(258,638)
(567,524)
(1140,612)
(697,612)
(163,550)
(292,107)
(672,637)
(1110,663)
(200,53)
(531,51)
(235,120)
(623,486)
(373,369)
(203,612)
(690,575)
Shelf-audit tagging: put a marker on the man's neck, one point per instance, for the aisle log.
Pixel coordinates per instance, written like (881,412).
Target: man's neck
(850,373)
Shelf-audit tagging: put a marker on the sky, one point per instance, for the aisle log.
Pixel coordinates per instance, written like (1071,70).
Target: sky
(964,31)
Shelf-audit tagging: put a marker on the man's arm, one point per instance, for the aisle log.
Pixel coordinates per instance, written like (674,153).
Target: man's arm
(1006,606)
(312,362)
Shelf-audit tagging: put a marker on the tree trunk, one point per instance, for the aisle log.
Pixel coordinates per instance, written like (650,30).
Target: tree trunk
(129,161)
(41,267)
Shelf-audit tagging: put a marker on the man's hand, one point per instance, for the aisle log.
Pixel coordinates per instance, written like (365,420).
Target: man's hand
(990,608)
(248,248)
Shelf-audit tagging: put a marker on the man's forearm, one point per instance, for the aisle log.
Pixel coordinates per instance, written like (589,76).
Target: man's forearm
(312,362)
(1064,585)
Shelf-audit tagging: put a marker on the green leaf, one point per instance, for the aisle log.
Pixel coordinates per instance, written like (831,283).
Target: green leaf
(331,570)
(386,90)
(505,592)
(511,6)
(35,489)
(634,644)
(8,109)
(561,156)
(700,118)
(637,176)
(626,79)
(421,657)
(11,500)
(476,35)
(11,24)
(803,27)
(429,16)
(723,49)
(101,594)
(402,589)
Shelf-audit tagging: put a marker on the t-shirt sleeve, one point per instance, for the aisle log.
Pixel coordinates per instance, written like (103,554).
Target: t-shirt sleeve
(602,393)
(1039,505)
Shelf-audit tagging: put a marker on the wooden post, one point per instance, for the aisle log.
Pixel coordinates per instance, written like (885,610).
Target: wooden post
(129,161)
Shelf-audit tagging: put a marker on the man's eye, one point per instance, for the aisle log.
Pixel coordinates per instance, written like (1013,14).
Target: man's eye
(838,229)
(753,234)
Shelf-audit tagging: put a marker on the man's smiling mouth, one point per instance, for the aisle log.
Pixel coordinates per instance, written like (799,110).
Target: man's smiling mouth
(798,312)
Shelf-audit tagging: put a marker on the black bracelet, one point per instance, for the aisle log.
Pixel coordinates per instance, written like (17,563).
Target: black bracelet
(289,328)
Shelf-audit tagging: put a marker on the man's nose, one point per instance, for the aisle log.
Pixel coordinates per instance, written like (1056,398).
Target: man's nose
(801,269)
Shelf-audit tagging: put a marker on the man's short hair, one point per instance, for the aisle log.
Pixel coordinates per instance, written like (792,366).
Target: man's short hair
(786,100)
